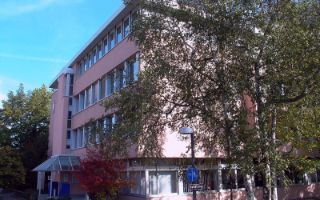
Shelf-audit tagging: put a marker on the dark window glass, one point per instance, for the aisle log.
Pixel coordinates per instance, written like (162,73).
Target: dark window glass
(71,79)
(105,46)
(69,115)
(68,135)
(69,124)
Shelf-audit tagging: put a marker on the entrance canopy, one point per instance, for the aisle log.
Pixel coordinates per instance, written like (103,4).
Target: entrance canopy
(59,163)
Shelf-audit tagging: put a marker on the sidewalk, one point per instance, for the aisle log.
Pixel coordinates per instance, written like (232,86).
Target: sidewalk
(9,196)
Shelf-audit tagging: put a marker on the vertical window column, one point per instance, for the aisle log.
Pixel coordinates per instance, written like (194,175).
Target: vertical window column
(119,33)
(99,90)
(105,46)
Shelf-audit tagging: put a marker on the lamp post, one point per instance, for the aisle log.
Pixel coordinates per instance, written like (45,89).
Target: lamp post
(189,131)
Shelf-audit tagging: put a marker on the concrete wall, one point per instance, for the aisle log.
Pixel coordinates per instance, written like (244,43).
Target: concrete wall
(58,119)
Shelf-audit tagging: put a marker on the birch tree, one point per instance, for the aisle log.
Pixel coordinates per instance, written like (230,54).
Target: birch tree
(237,71)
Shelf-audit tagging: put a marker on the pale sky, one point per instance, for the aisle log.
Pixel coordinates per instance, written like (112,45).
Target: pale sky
(39,37)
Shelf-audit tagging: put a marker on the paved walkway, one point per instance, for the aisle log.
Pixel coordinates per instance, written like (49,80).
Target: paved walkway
(9,196)
(45,197)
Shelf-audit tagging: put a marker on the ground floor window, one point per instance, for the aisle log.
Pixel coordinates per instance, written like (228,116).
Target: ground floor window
(138,179)
(232,179)
(162,182)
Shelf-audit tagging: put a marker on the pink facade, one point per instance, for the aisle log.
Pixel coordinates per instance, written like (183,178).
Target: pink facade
(80,89)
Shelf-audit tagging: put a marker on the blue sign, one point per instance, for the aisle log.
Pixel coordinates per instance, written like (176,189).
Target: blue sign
(192,174)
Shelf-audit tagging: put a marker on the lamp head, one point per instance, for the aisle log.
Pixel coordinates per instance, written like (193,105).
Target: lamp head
(186,131)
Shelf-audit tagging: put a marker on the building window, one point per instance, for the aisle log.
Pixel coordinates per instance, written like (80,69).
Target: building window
(163,182)
(107,125)
(95,55)
(69,114)
(209,179)
(139,182)
(118,79)
(111,40)
(232,179)
(95,92)
(103,87)
(86,63)
(92,57)
(68,135)
(115,120)
(81,101)
(99,50)
(69,123)
(74,140)
(119,34)
(126,27)
(109,84)
(76,104)
(240,179)
(80,137)
(88,95)
(70,101)
(105,46)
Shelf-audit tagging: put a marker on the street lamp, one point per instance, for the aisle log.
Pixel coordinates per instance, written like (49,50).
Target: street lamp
(193,170)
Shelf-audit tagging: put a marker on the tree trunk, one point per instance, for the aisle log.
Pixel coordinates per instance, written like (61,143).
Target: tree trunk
(273,163)
(249,187)
(267,193)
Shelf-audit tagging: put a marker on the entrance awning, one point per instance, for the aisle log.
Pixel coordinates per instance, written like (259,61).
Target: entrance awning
(59,163)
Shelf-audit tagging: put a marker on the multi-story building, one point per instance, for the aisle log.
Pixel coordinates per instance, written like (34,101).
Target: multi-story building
(103,67)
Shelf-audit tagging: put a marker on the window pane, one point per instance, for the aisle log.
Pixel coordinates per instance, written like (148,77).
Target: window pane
(103,88)
(99,50)
(107,124)
(163,182)
(119,34)
(126,27)
(209,179)
(74,139)
(111,39)
(95,58)
(109,84)
(88,97)
(118,79)
(80,137)
(95,92)
(240,179)
(105,46)
(76,104)
(92,59)
(139,183)
(86,64)
(228,179)
(81,101)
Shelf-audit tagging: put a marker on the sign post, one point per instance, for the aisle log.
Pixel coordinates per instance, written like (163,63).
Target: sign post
(192,172)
